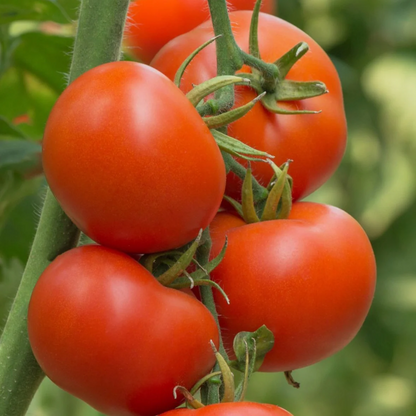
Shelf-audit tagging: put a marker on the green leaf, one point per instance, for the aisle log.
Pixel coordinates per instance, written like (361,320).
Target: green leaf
(8,130)
(51,61)
(60,11)
(18,154)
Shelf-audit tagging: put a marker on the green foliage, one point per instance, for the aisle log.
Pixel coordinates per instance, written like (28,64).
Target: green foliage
(373,45)
(60,11)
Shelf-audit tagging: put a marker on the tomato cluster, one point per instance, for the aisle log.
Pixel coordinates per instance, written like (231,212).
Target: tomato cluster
(136,168)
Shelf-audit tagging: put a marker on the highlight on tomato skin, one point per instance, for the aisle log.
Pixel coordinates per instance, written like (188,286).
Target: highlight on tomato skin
(145,174)
(310,279)
(102,328)
(151,24)
(232,409)
(315,142)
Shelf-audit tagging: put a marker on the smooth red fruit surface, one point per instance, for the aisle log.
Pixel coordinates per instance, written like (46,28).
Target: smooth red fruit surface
(315,142)
(131,161)
(151,24)
(103,329)
(310,279)
(232,409)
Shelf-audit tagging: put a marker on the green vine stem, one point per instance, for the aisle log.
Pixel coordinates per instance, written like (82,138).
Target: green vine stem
(210,393)
(98,41)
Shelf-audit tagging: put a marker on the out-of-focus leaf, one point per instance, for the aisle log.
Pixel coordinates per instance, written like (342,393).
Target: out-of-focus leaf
(61,11)
(19,155)
(51,61)
(22,93)
(8,130)
(13,188)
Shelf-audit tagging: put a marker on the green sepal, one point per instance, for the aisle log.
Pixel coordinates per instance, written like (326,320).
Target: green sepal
(221,120)
(200,277)
(249,211)
(286,199)
(236,148)
(248,371)
(181,264)
(228,395)
(260,341)
(148,261)
(209,282)
(254,29)
(286,62)
(286,204)
(269,102)
(275,195)
(299,90)
(208,87)
(187,61)
(190,399)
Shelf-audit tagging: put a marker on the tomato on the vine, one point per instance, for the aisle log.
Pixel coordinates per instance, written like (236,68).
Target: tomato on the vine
(131,161)
(151,24)
(315,142)
(232,409)
(103,329)
(309,278)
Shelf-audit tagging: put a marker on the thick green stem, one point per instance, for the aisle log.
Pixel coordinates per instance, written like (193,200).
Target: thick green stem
(210,394)
(228,52)
(98,41)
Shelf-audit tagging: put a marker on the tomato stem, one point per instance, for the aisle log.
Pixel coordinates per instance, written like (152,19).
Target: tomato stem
(211,392)
(98,40)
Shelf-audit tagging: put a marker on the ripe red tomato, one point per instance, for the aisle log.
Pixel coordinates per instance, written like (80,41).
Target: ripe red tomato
(103,329)
(131,161)
(310,279)
(315,142)
(232,409)
(151,24)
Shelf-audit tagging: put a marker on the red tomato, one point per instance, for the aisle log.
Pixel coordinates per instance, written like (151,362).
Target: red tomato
(151,24)
(310,279)
(131,161)
(315,142)
(232,409)
(103,329)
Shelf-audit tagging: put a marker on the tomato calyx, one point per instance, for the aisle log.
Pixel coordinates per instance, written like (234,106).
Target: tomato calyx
(250,349)
(270,78)
(170,267)
(276,205)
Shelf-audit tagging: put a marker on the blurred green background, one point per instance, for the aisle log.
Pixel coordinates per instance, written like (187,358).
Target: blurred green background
(373,45)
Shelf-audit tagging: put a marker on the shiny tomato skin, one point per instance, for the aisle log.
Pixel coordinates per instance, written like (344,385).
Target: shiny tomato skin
(131,161)
(151,24)
(310,279)
(103,329)
(232,409)
(315,143)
